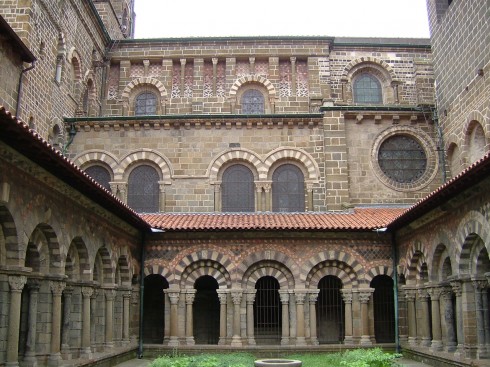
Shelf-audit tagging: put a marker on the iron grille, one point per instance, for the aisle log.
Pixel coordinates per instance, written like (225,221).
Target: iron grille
(330,311)
(101,175)
(206,311)
(154,309)
(288,189)
(384,309)
(267,311)
(146,104)
(143,189)
(252,102)
(237,189)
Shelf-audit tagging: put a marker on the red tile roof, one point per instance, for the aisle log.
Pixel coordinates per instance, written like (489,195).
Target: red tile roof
(358,219)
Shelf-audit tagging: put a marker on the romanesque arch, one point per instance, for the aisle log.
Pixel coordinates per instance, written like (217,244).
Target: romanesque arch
(378,270)
(294,154)
(124,270)
(9,247)
(155,269)
(253,79)
(415,260)
(141,83)
(77,264)
(269,268)
(144,155)
(366,60)
(475,142)
(104,264)
(204,267)
(44,237)
(237,155)
(96,156)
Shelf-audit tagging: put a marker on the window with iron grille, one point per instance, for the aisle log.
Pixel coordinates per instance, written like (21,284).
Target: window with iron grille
(288,189)
(267,311)
(101,175)
(206,311)
(237,189)
(384,309)
(143,189)
(367,89)
(402,159)
(145,104)
(252,102)
(330,311)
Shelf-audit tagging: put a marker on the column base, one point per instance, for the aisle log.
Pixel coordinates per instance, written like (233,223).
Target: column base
(11,364)
(222,341)
(348,340)
(65,352)
(481,352)
(314,341)
(189,340)
(412,341)
(365,340)
(55,360)
(285,340)
(29,360)
(236,341)
(436,346)
(450,347)
(108,345)
(300,340)
(426,342)
(86,353)
(251,341)
(173,341)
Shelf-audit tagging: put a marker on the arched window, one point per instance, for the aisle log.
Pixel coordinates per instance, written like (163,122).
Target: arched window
(143,189)
(146,104)
(367,89)
(267,311)
(384,309)
(288,189)
(252,102)
(237,189)
(101,175)
(330,311)
(206,311)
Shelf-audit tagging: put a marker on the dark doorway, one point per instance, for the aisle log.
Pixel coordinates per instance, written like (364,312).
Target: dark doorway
(384,309)
(154,309)
(330,311)
(267,311)
(206,311)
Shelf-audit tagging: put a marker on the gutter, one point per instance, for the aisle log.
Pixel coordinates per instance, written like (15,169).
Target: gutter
(395,290)
(19,90)
(142,290)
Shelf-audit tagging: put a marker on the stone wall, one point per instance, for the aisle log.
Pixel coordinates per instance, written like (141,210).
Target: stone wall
(10,73)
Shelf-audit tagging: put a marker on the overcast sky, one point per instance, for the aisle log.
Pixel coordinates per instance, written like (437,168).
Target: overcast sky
(348,18)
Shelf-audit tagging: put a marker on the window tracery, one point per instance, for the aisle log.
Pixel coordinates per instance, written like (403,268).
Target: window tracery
(145,104)
(252,102)
(367,89)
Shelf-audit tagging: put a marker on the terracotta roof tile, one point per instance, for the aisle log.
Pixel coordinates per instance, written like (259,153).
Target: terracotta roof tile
(357,219)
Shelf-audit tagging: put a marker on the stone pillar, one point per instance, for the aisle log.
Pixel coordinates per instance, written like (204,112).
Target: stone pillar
(173,295)
(480,286)
(312,297)
(57,288)
(217,197)
(190,294)
(93,318)
(236,296)
(309,197)
(258,197)
(161,198)
(30,354)
(250,298)
(110,294)
(16,283)
(364,296)
(300,296)
(458,291)
(126,317)
(447,296)
(65,330)
(268,196)
(412,320)
(284,295)
(86,351)
(223,299)
(347,297)
(424,330)
(435,294)
(182,77)
(215,73)
(293,75)
(486,317)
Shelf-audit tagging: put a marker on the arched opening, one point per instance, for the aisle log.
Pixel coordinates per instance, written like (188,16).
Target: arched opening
(384,309)
(145,104)
(267,311)
(154,309)
(24,322)
(143,189)
(237,189)
(330,311)
(367,89)
(252,102)
(288,189)
(206,311)
(101,175)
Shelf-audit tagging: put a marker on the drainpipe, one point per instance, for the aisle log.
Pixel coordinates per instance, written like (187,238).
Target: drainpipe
(395,289)
(71,133)
(19,90)
(142,289)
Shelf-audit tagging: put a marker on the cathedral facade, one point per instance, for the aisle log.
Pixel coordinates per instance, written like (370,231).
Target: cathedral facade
(246,193)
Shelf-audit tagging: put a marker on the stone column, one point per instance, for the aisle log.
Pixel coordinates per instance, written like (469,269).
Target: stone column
(312,297)
(347,297)
(223,299)
(217,197)
(293,75)
(57,288)
(447,296)
(412,320)
(93,318)
(250,298)
(126,316)
(268,196)
(161,198)
(480,286)
(173,295)
(424,330)
(486,317)
(182,77)
(300,296)
(214,60)
(30,354)
(458,291)
(65,330)
(189,322)
(258,197)
(364,296)
(236,296)
(16,283)
(284,295)
(110,294)
(435,294)
(309,197)
(86,351)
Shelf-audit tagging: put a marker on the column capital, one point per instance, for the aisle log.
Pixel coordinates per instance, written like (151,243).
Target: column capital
(222,296)
(68,289)
(447,293)
(57,287)
(95,293)
(479,284)
(17,282)
(346,295)
(183,62)
(236,296)
(284,296)
(33,284)
(173,295)
(190,294)
(457,287)
(110,294)
(126,293)
(87,292)
(214,60)
(292,59)
(410,294)
(423,293)
(250,295)
(435,292)
(365,294)
(313,295)
(300,296)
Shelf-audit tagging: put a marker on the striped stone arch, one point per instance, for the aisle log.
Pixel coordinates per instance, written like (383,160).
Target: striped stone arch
(452,139)
(79,269)
(416,257)
(108,265)
(295,154)
(440,253)
(267,255)
(472,226)
(473,118)
(124,270)
(271,268)
(10,251)
(339,269)
(378,270)
(479,259)
(96,156)
(253,79)
(155,269)
(141,82)
(244,155)
(205,267)
(56,259)
(37,252)
(367,60)
(476,116)
(339,256)
(144,155)
(205,255)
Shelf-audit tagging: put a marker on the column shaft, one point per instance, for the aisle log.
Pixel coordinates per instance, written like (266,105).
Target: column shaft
(300,317)
(86,351)
(30,354)
(16,285)
(55,355)
(223,298)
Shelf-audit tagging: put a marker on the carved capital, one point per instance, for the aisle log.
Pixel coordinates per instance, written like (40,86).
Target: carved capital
(250,296)
(183,62)
(457,288)
(190,294)
(423,294)
(447,293)
(57,288)
(110,294)
(222,296)
(435,293)
(365,296)
(236,297)
(346,295)
(480,284)
(214,60)
(284,295)
(292,59)
(68,290)
(173,296)
(300,297)
(410,294)
(87,292)
(33,284)
(17,282)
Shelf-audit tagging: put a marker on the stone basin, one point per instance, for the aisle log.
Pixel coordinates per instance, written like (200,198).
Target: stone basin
(277,362)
